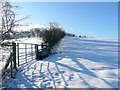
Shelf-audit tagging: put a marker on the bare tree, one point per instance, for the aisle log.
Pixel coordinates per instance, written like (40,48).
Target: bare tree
(8,20)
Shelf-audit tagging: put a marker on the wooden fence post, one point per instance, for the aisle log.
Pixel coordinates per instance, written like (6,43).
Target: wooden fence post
(36,51)
(14,55)
(11,69)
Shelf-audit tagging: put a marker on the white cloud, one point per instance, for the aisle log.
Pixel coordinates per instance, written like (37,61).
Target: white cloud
(37,26)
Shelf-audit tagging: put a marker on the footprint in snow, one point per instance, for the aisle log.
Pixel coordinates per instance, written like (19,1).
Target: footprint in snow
(45,80)
(46,85)
(56,74)
(58,82)
(71,77)
(28,75)
(42,76)
(62,71)
(50,87)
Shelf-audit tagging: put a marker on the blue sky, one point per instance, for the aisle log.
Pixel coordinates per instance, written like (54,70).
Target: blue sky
(97,19)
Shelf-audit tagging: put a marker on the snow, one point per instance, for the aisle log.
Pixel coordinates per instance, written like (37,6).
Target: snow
(4,53)
(1,66)
(29,27)
(79,63)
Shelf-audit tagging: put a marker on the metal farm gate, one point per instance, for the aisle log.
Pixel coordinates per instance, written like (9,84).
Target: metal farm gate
(26,52)
(21,54)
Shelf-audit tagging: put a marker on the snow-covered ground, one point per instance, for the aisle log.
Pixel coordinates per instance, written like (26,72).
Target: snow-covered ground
(3,56)
(79,63)
(4,53)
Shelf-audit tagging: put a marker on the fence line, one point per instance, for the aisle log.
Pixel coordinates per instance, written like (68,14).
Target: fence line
(16,59)
(21,53)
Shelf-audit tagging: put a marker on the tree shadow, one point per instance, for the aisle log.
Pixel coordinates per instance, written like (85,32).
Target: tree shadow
(85,81)
(84,69)
(79,50)
(94,41)
(66,84)
(21,81)
(72,53)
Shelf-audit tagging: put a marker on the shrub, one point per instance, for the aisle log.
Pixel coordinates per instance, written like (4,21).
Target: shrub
(52,35)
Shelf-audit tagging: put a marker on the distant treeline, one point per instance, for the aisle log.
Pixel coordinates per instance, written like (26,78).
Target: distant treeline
(53,29)
(73,35)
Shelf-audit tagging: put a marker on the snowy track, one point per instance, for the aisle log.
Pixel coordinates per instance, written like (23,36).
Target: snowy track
(82,63)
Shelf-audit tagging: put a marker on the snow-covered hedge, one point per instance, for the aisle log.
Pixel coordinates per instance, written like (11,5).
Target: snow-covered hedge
(52,35)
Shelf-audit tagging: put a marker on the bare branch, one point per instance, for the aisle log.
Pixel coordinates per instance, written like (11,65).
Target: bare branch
(8,19)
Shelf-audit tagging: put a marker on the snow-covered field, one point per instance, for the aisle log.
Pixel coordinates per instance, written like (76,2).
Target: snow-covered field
(80,63)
